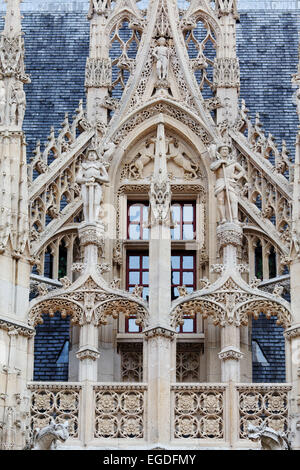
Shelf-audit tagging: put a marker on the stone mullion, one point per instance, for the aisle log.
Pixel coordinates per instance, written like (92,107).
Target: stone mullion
(265,258)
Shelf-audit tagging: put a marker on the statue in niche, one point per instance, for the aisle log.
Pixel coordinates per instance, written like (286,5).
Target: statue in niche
(228,173)
(92,174)
(2,102)
(17,104)
(146,154)
(161,54)
(177,156)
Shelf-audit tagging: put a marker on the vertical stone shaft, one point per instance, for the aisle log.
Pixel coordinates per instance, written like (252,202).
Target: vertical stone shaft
(159,345)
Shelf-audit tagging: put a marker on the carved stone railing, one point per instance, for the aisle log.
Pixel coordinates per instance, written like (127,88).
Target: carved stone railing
(199,411)
(260,403)
(120,411)
(59,401)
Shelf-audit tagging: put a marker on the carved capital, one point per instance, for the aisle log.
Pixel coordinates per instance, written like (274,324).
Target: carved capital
(226,73)
(91,234)
(292,332)
(159,331)
(229,234)
(88,353)
(98,73)
(230,353)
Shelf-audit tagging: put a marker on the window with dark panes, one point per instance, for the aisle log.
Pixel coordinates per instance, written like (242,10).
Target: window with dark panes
(184,217)
(183,272)
(137,274)
(137,219)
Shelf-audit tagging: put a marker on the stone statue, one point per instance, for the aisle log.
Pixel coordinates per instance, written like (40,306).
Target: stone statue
(17,104)
(228,173)
(91,176)
(47,437)
(161,54)
(268,437)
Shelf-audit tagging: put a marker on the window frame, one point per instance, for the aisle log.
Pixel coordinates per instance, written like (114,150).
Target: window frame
(142,203)
(139,253)
(181,270)
(181,203)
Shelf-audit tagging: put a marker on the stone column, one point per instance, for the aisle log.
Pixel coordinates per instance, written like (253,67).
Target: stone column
(160,348)
(91,238)
(159,343)
(230,237)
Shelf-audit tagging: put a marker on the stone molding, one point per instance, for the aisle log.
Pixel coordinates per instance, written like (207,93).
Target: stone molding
(20,330)
(87,353)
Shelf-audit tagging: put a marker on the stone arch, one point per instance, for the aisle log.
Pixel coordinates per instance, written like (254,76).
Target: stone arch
(205,307)
(268,307)
(50,306)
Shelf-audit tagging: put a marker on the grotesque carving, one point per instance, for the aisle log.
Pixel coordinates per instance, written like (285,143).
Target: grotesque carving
(268,437)
(47,437)
(91,176)
(161,54)
(228,172)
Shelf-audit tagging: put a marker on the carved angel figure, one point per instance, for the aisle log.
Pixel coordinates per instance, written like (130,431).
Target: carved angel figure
(228,173)
(91,176)
(161,54)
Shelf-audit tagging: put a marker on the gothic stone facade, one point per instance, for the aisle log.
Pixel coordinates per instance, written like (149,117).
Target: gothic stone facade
(147,224)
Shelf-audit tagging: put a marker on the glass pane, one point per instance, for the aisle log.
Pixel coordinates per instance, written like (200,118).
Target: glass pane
(134,232)
(175,262)
(145,262)
(189,289)
(134,213)
(145,278)
(134,262)
(188,326)
(175,277)
(146,293)
(175,293)
(134,277)
(188,232)
(188,262)
(132,326)
(188,278)
(176,212)
(175,233)
(188,213)
(145,234)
